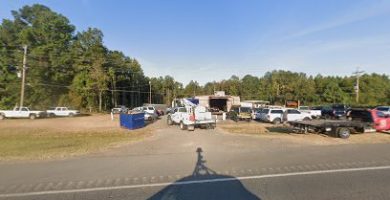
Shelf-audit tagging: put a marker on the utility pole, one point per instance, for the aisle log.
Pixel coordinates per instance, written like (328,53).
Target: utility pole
(150,92)
(357,73)
(23,75)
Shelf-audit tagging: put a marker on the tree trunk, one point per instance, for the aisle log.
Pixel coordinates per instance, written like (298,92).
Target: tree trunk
(100,100)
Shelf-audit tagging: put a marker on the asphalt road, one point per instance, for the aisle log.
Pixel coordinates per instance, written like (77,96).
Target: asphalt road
(207,164)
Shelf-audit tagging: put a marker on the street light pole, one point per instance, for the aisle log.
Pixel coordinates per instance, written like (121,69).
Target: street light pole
(23,75)
(150,92)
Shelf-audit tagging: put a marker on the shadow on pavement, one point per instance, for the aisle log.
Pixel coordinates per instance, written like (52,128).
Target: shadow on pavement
(204,183)
(280,129)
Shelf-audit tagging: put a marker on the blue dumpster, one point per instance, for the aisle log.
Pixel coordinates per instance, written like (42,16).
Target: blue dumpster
(132,121)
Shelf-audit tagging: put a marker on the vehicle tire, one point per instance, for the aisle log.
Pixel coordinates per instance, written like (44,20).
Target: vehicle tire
(306,119)
(191,128)
(277,121)
(52,115)
(182,126)
(33,116)
(2,117)
(248,120)
(343,133)
(71,115)
(169,121)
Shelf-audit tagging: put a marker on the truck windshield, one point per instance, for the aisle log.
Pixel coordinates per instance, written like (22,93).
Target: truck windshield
(245,109)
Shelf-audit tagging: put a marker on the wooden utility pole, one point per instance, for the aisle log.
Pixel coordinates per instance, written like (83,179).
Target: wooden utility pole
(357,73)
(23,75)
(150,92)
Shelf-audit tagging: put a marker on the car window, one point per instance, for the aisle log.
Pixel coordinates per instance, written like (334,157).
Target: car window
(150,108)
(293,112)
(245,109)
(277,111)
(182,110)
(24,109)
(380,114)
(316,108)
(383,108)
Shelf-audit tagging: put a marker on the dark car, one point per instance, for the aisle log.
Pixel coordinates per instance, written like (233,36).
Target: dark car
(335,111)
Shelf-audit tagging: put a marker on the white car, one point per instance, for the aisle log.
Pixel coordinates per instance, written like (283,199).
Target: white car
(21,112)
(61,112)
(384,109)
(274,115)
(150,112)
(295,115)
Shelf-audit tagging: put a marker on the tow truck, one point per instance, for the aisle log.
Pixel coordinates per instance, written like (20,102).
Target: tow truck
(190,115)
(360,121)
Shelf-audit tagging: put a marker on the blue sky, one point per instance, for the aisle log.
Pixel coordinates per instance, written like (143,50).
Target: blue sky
(207,40)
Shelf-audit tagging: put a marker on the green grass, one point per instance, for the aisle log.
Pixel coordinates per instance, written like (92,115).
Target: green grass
(40,144)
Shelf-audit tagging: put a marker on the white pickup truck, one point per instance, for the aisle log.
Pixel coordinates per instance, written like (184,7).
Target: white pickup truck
(315,112)
(290,115)
(190,116)
(61,112)
(21,112)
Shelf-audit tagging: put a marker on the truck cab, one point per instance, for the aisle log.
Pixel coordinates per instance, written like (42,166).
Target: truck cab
(296,115)
(375,119)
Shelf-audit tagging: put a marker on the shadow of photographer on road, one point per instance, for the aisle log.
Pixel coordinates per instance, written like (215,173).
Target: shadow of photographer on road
(204,183)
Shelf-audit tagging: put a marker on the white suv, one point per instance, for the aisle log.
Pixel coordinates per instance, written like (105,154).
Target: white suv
(272,115)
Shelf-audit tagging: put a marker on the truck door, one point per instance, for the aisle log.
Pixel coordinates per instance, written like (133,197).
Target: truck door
(24,112)
(293,115)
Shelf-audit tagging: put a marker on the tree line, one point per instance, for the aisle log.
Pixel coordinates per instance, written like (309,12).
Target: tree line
(280,86)
(65,67)
(75,69)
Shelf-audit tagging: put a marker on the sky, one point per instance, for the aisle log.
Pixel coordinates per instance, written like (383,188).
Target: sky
(206,41)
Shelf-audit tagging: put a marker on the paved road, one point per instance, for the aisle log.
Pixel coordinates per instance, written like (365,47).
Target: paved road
(207,164)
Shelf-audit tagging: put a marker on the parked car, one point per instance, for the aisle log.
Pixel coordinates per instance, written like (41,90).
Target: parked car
(189,117)
(378,120)
(274,115)
(240,113)
(296,115)
(21,112)
(335,111)
(150,112)
(62,112)
(384,109)
(119,109)
(315,112)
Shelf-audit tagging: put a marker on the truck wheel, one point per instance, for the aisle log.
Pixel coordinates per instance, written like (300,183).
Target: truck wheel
(182,126)
(2,117)
(51,115)
(32,116)
(191,128)
(306,119)
(343,132)
(169,121)
(71,115)
(277,121)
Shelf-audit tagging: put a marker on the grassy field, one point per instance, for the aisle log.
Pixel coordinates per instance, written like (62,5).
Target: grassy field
(63,137)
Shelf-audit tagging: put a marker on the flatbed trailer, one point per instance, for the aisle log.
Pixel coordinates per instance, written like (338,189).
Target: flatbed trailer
(337,128)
